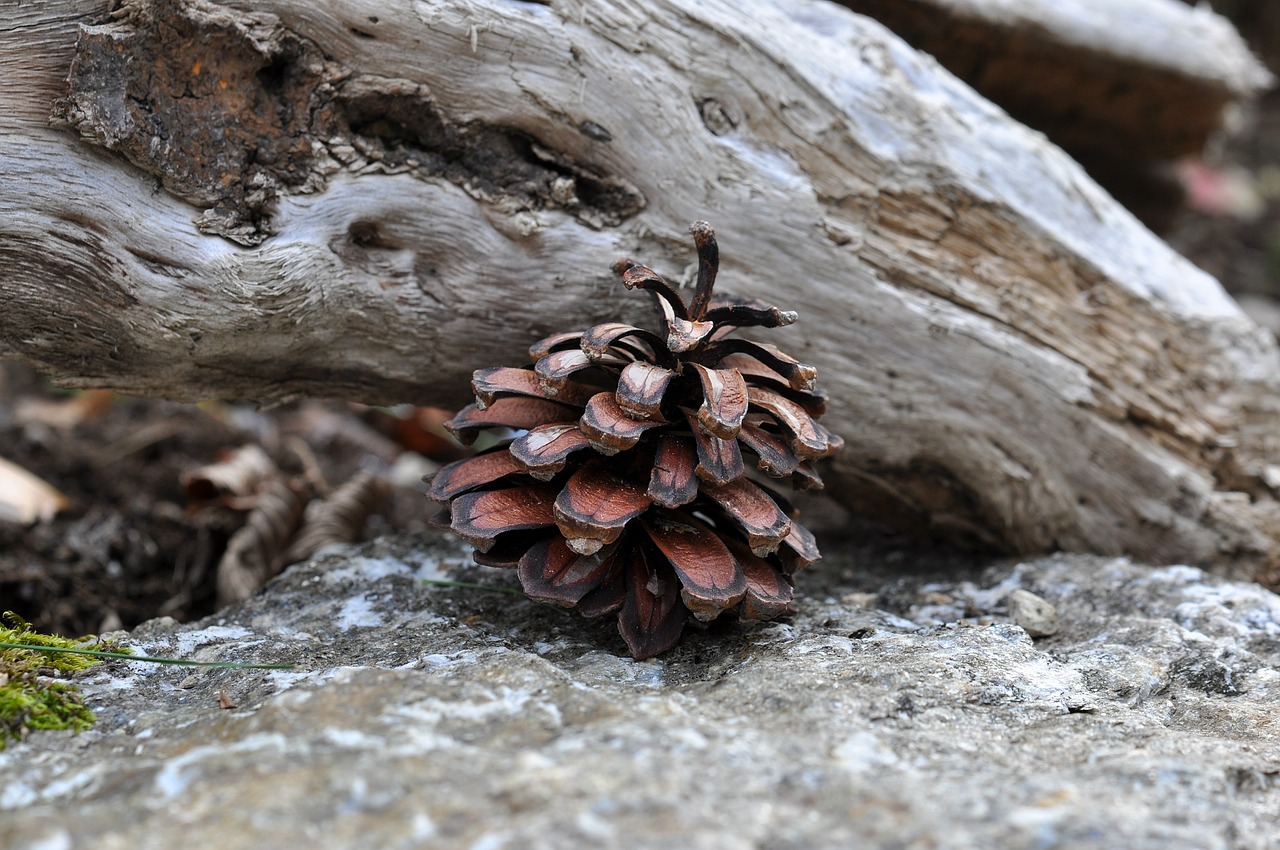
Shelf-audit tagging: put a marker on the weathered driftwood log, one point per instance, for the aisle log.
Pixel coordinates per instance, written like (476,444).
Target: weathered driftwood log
(1124,87)
(368,200)
(1139,79)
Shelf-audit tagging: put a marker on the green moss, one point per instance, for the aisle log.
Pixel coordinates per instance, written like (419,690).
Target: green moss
(29,698)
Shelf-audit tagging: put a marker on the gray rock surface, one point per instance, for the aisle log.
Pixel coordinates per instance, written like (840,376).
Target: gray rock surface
(899,708)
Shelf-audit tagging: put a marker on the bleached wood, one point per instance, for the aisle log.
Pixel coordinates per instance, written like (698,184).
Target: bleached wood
(1010,355)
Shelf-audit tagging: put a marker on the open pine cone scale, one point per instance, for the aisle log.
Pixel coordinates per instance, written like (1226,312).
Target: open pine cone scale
(628,491)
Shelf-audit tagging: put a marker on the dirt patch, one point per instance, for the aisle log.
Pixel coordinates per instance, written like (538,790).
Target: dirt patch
(130,545)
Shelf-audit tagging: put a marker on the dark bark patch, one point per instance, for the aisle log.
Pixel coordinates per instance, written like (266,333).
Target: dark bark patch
(231,110)
(217,104)
(405,128)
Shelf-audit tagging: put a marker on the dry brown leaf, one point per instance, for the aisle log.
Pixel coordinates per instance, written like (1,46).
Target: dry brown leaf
(63,413)
(237,474)
(24,498)
(256,552)
(340,517)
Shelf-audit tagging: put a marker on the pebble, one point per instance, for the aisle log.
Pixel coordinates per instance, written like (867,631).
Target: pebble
(1037,616)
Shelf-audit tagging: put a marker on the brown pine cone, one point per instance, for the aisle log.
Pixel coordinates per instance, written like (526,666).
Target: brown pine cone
(628,491)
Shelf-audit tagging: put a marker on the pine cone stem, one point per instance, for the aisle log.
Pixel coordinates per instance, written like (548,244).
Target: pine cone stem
(704,238)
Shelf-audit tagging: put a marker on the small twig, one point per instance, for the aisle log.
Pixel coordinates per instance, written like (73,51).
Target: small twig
(139,440)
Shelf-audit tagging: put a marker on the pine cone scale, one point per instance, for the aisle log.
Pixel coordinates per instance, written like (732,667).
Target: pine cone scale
(673,482)
(607,598)
(481,517)
(565,340)
(471,473)
(641,388)
(719,461)
(769,593)
(488,384)
(545,450)
(773,454)
(551,572)
(652,616)
(807,440)
(554,369)
(724,405)
(508,412)
(797,375)
(608,428)
(711,579)
(595,506)
(598,342)
(754,511)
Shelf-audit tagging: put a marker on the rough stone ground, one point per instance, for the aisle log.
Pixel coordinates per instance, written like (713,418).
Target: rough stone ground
(898,708)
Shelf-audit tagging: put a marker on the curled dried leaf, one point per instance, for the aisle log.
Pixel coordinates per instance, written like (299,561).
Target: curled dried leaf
(340,517)
(63,413)
(25,498)
(257,552)
(237,474)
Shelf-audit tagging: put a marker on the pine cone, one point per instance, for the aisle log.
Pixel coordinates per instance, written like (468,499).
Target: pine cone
(628,491)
